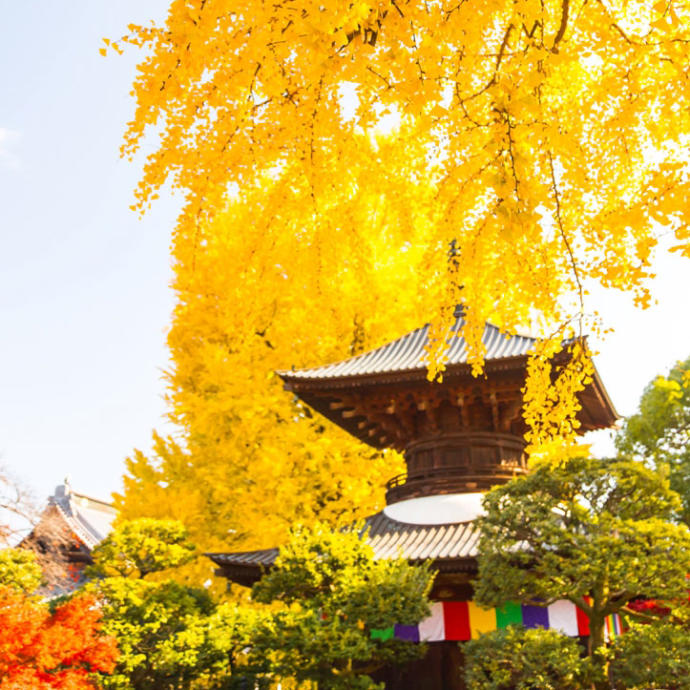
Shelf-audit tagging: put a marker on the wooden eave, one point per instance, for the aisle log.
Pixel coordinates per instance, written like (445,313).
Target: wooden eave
(450,548)
(325,395)
(246,575)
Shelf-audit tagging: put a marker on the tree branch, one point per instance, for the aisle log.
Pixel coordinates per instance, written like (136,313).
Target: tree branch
(564,237)
(499,58)
(565,5)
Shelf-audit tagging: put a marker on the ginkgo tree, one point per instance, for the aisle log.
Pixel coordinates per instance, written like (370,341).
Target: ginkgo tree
(254,461)
(553,133)
(352,169)
(552,136)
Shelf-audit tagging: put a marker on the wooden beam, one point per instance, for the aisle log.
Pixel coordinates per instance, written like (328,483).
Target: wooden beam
(494,411)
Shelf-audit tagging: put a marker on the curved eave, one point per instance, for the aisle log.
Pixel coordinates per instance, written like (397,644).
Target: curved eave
(604,399)
(244,567)
(323,394)
(451,547)
(252,559)
(298,383)
(319,393)
(247,575)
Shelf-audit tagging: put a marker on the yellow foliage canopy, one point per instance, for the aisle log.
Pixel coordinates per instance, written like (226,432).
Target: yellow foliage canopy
(346,162)
(254,461)
(552,132)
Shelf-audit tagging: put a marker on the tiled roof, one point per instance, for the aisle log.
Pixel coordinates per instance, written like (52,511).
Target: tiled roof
(404,361)
(68,530)
(409,353)
(389,539)
(392,539)
(89,518)
(262,557)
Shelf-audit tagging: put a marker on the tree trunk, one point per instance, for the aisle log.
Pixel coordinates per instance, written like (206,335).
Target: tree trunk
(597,626)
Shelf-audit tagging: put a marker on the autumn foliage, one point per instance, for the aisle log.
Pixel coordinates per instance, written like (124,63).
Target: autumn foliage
(61,650)
(551,132)
(254,460)
(524,151)
(352,170)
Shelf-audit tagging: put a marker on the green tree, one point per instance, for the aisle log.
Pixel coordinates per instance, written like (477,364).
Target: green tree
(143,616)
(651,656)
(659,432)
(19,569)
(647,657)
(595,532)
(220,644)
(140,547)
(340,608)
(517,659)
(162,626)
(334,608)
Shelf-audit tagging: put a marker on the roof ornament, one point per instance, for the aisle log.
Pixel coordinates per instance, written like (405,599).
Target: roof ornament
(63,490)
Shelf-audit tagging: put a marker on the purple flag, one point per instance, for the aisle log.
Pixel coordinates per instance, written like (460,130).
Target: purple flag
(535,616)
(407,632)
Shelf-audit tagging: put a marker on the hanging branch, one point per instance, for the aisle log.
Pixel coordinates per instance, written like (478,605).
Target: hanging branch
(564,237)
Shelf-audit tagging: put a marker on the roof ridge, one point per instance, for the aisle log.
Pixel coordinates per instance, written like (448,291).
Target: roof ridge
(76,526)
(92,499)
(408,352)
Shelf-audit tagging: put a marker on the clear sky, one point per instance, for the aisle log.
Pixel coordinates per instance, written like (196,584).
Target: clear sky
(84,296)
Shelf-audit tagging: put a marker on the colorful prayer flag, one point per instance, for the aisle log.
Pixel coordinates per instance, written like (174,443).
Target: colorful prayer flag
(582,622)
(535,616)
(508,614)
(456,617)
(563,617)
(464,620)
(410,633)
(383,635)
(433,629)
(481,620)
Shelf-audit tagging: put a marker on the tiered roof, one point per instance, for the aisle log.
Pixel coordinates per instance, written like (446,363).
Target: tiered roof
(451,545)
(404,362)
(409,355)
(460,436)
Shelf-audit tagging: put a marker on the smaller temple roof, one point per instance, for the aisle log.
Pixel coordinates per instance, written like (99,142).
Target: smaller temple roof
(392,539)
(409,353)
(68,529)
(448,545)
(90,519)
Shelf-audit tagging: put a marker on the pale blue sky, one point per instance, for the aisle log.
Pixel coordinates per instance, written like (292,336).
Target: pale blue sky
(84,297)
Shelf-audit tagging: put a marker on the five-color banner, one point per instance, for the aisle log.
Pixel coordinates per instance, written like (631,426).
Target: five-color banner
(465,620)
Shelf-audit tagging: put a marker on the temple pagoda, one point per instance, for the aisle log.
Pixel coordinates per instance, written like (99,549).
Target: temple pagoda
(459,438)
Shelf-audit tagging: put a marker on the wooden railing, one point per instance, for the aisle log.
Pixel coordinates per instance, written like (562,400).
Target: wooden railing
(445,480)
